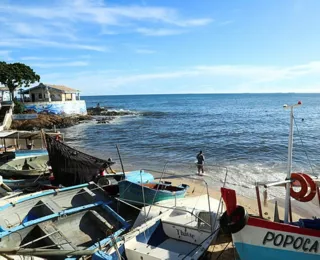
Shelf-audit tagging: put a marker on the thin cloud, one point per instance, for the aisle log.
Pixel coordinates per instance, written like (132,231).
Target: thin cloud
(238,78)
(32,58)
(34,43)
(72,13)
(158,32)
(60,64)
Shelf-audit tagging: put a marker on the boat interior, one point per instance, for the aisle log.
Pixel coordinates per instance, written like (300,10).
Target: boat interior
(165,186)
(49,203)
(166,240)
(31,163)
(75,231)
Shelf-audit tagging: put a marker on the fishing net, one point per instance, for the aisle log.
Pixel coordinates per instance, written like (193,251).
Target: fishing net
(70,166)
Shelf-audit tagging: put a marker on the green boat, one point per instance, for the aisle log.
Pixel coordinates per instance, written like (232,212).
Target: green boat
(149,193)
(25,167)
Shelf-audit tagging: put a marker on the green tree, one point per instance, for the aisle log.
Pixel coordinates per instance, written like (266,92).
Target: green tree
(17,75)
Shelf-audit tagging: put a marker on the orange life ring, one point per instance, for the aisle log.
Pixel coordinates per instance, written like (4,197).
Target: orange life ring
(313,189)
(303,184)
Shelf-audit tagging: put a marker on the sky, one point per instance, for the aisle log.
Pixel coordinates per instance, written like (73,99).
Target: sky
(166,46)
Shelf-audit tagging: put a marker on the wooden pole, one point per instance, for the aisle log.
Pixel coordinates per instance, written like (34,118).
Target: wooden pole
(290,211)
(259,201)
(120,160)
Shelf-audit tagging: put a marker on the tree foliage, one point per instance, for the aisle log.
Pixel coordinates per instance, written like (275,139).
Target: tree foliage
(17,75)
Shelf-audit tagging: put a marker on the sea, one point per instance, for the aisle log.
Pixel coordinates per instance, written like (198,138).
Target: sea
(244,137)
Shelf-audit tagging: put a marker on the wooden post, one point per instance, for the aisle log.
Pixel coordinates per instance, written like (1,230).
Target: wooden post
(18,141)
(259,201)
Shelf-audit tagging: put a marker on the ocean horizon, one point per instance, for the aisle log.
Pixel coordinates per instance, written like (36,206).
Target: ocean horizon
(246,133)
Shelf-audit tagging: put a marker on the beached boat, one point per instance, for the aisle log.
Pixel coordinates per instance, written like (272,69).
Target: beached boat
(255,237)
(25,167)
(19,144)
(5,190)
(71,232)
(149,193)
(40,204)
(15,184)
(20,154)
(174,229)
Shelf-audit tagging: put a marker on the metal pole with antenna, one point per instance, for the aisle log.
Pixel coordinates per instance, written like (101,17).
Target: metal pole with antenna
(289,167)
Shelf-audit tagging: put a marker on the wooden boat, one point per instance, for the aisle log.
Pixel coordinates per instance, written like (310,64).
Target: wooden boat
(71,232)
(40,204)
(28,185)
(138,176)
(255,237)
(149,193)
(5,191)
(181,229)
(16,145)
(19,154)
(25,167)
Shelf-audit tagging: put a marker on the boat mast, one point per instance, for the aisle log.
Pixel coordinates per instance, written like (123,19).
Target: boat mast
(289,167)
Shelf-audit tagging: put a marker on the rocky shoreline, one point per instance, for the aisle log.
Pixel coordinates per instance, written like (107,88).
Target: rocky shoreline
(47,121)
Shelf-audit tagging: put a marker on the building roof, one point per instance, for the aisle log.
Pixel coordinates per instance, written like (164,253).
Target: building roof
(60,88)
(4,88)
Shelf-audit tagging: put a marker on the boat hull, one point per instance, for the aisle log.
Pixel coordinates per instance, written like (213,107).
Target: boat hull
(270,240)
(141,194)
(25,167)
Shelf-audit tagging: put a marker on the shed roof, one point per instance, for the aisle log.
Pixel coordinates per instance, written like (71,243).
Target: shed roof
(15,134)
(60,88)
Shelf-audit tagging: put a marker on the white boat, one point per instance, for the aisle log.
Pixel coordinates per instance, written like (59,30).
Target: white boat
(175,229)
(258,238)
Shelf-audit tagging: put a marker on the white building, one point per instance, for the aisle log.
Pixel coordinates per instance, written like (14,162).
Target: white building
(53,99)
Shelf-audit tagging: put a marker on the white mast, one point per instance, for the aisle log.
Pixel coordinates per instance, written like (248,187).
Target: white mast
(290,145)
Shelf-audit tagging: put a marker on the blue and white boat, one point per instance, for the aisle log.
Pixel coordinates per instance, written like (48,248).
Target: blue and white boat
(30,153)
(29,185)
(68,233)
(40,204)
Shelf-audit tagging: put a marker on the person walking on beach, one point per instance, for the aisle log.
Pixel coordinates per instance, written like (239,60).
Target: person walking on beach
(200,162)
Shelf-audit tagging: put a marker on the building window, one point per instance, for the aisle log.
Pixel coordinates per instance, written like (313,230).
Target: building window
(40,95)
(68,97)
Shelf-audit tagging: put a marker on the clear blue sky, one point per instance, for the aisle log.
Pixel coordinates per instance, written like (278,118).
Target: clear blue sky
(166,46)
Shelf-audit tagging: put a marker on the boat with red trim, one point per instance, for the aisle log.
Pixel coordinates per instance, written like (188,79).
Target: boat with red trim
(257,238)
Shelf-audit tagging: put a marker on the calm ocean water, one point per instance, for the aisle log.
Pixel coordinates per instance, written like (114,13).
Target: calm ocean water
(247,133)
